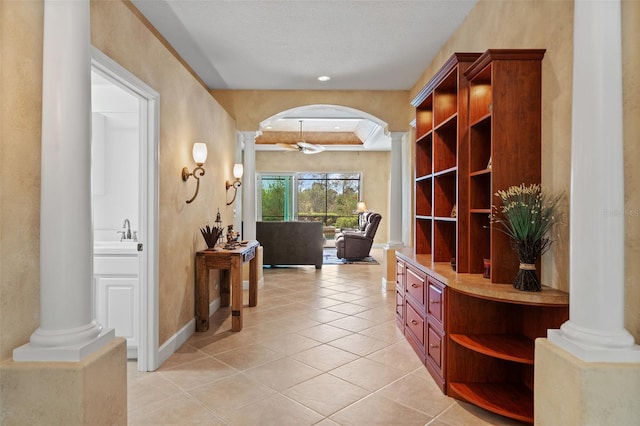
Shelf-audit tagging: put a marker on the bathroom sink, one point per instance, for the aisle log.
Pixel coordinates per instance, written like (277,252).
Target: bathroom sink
(115,247)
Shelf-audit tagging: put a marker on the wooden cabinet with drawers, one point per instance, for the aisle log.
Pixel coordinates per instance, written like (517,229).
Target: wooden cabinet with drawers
(476,339)
(421,316)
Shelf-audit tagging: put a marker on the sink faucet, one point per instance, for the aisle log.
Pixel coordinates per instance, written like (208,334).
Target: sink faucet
(127,226)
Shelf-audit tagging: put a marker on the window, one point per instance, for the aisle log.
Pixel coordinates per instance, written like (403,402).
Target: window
(329,198)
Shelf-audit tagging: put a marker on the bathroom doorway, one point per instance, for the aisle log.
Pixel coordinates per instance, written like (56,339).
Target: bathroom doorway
(125,207)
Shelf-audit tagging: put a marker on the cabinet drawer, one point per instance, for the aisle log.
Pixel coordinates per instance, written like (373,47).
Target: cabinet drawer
(434,347)
(435,300)
(400,304)
(414,322)
(415,285)
(115,265)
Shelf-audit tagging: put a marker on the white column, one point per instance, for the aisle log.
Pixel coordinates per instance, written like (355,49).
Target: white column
(595,331)
(67,331)
(249,183)
(395,191)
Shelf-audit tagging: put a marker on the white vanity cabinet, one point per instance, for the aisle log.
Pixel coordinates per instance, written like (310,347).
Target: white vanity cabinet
(117,294)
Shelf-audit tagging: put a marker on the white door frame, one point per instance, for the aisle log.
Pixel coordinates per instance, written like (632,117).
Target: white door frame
(148,350)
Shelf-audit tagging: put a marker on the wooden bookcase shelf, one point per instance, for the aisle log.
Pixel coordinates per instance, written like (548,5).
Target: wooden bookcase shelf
(442,145)
(510,400)
(478,131)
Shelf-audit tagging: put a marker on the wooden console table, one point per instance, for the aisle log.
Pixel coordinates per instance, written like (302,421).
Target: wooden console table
(229,262)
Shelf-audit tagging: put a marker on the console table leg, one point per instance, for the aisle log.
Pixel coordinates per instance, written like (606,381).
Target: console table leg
(253,281)
(236,293)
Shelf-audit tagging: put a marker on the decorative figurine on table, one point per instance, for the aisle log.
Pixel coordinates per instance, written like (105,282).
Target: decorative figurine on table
(219,225)
(232,238)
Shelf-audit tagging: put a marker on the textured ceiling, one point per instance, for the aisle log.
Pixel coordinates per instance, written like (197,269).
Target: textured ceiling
(287,44)
(284,44)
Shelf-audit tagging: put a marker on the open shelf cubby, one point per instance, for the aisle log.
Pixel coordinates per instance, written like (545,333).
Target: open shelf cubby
(424,117)
(446,145)
(423,197)
(424,150)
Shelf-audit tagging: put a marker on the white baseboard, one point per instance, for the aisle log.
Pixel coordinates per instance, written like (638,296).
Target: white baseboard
(175,341)
(214,306)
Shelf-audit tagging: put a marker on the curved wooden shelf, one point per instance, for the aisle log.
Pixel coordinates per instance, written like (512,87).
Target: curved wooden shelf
(507,399)
(504,346)
(424,137)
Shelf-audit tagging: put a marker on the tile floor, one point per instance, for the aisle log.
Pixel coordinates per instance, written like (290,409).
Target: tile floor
(321,348)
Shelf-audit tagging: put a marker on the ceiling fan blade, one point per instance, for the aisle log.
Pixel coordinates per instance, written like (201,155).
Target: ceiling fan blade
(289,146)
(309,148)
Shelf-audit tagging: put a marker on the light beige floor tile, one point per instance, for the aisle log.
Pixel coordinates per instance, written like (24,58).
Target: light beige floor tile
(197,373)
(325,315)
(367,374)
(400,355)
(419,394)
(147,390)
(377,410)
(348,308)
(352,323)
(231,393)
(177,410)
(325,357)
(276,410)
(346,297)
(290,344)
(387,332)
(326,394)
(248,356)
(324,333)
(359,344)
(283,373)
(186,353)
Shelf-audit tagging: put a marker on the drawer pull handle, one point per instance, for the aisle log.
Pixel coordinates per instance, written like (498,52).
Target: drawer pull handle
(433,302)
(414,322)
(433,346)
(414,285)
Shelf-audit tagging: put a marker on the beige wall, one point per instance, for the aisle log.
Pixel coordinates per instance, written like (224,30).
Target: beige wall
(549,24)
(250,107)
(374,167)
(188,114)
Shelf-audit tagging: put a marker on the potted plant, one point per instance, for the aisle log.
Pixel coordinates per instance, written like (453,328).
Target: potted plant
(527,215)
(211,235)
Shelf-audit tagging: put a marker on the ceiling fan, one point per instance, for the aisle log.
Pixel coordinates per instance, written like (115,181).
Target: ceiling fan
(302,146)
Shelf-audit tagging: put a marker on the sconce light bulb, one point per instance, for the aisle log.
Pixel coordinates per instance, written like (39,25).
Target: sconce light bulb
(199,153)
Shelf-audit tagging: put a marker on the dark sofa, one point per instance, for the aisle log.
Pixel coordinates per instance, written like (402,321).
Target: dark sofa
(291,243)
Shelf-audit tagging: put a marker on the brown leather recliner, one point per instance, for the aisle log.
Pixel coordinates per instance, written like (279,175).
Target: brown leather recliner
(354,245)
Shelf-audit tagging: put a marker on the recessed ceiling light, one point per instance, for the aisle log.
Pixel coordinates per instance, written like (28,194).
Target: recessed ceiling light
(324,78)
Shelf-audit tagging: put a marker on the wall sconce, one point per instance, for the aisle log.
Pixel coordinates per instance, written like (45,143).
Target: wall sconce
(199,156)
(238,170)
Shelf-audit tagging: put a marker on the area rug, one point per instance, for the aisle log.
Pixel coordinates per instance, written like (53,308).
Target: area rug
(330,258)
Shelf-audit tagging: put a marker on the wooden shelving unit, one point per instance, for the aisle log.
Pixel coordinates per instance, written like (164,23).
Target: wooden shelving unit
(505,89)
(478,130)
(442,145)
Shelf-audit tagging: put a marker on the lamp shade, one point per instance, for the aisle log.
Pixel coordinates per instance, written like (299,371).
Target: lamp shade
(238,170)
(361,207)
(199,152)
